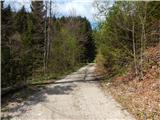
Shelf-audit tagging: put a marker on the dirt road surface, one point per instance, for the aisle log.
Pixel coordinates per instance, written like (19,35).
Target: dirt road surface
(76,97)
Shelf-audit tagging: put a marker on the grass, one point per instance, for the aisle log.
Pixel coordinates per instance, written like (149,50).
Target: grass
(52,76)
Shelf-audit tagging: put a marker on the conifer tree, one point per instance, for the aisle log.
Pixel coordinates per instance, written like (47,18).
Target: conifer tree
(21,20)
(7,31)
(38,32)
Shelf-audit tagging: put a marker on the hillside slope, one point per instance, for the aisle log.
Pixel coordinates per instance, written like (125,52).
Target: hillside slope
(140,97)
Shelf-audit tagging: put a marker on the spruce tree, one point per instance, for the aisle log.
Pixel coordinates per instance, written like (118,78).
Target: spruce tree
(38,32)
(21,20)
(7,31)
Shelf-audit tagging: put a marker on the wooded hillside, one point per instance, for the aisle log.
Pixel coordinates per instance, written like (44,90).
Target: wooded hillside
(128,54)
(129,29)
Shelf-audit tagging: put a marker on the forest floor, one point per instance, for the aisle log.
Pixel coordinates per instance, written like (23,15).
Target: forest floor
(76,97)
(140,97)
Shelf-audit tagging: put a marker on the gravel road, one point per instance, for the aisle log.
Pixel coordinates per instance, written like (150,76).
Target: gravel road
(76,97)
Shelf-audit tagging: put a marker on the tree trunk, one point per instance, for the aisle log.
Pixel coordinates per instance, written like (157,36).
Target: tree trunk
(45,40)
(143,40)
(134,49)
(49,32)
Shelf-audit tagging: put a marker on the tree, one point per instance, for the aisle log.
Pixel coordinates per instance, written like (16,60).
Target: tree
(7,31)
(38,33)
(123,35)
(21,20)
(37,43)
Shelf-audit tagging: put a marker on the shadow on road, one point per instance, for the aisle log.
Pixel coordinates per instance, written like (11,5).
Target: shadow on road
(59,89)
(18,107)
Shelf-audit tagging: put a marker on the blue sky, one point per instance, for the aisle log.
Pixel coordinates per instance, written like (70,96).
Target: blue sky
(64,7)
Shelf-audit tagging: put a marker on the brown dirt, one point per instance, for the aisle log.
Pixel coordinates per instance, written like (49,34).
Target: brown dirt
(140,97)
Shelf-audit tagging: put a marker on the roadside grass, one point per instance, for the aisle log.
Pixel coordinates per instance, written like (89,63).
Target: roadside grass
(52,77)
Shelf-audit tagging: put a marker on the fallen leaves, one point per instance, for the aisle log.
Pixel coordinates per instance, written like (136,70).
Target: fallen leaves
(141,97)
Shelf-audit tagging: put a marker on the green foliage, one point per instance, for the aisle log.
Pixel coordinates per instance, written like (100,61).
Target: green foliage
(38,33)
(72,44)
(6,55)
(114,37)
(64,53)
(21,20)
(23,45)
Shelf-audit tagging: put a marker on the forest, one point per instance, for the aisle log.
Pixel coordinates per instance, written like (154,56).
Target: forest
(129,29)
(37,46)
(128,54)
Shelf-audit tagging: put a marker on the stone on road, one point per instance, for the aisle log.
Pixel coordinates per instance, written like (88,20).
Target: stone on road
(76,97)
